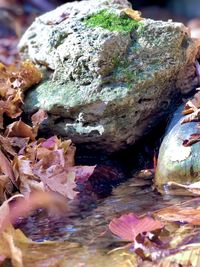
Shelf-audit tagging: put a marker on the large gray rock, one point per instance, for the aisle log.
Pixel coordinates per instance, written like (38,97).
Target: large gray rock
(106,85)
(177,163)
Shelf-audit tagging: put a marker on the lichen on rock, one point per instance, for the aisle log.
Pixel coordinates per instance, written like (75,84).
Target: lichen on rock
(121,81)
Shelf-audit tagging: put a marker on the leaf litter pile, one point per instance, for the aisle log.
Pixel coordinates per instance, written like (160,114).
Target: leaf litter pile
(34,171)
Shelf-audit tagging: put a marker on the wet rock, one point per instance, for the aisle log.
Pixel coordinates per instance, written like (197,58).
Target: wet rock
(177,163)
(109,79)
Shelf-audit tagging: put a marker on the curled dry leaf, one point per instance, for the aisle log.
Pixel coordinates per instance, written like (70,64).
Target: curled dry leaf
(129,226)
(28,74)
(14,80)
(20,129)
(193,104)
(133,14)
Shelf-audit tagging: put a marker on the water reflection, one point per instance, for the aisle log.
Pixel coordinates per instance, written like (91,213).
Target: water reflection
(87,218)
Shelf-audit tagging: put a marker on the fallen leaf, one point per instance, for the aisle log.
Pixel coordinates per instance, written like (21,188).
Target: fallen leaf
(193,188)
(133,14)
(184,212)
(82,173)
(194,138)
(192,104)
(6,145)
(194,116)
(38,117)
(6,167)
(129,226)
(6,187)
(14,80)
(20,129)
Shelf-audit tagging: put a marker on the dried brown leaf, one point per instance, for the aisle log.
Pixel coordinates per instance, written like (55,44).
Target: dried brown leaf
(192,104)
(6,167)
(38,117)
(133,14)
(20,129)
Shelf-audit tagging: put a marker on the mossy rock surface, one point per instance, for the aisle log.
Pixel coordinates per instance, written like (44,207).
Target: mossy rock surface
(113,22)
(107,84)
(177,163)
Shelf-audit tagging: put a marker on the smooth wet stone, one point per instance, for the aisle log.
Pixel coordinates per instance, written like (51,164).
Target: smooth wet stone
(177,163)
(105,88)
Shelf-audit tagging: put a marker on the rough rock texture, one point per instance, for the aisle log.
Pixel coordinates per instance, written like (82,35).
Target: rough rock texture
(106,88)
(177,163)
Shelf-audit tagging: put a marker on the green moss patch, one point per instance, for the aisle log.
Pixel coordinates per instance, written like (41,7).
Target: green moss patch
(111,21)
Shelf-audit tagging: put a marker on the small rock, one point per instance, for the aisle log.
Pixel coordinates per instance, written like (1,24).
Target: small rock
(109,79)
(177,163)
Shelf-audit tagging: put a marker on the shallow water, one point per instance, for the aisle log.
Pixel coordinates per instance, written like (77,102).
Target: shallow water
(86,222)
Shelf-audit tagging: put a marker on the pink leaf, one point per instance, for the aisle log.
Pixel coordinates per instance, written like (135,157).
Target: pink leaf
(129,226)
(82,173)
(50,142)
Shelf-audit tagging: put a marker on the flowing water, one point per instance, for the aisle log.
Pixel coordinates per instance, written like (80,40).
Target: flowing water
(83,235)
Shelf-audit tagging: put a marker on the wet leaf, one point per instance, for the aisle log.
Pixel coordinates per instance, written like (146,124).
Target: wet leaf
(184,213)
(193,188)
(129,226)
(194,138)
